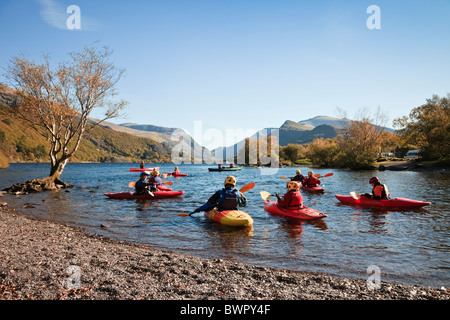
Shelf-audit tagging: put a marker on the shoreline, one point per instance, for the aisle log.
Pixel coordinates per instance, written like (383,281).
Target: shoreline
(43,260)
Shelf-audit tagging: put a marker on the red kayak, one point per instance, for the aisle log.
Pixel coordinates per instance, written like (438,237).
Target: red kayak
(176,174)
(129,195)
(388,203)
(142,170)
(315,189)
(304,213)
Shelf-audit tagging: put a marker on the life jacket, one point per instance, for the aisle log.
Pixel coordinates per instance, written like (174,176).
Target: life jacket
(296,201)
(140,187)
(292,200)
(380,191)
(228,200)
(311,182)
(298,177)
(152,180)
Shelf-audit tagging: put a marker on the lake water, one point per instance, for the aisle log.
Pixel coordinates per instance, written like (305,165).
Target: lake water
(409,246)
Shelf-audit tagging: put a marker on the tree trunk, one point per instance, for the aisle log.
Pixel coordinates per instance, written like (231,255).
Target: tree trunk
(54,181)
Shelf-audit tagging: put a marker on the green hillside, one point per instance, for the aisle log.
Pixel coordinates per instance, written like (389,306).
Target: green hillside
(21,143)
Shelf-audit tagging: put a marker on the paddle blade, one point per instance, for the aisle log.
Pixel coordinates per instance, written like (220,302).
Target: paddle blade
(169,183)
(355,195)
(265,195)
(317,175)
(284,178)
(247,187)
(184,214)
(132,184)
(328,175)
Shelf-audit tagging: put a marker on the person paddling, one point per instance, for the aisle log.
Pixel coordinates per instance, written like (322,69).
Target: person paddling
(298,177)
(142,186)
(311,181)
(176,171)
(227,198)
(379,191)
(293,199)
(154,180)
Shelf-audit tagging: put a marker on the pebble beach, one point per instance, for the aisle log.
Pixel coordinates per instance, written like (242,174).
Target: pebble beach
(42,260)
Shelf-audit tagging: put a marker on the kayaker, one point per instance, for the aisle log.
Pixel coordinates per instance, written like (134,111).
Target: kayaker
(154,180)
(142,165)
(227,198)
(176,171)
(379,191)
(298,177)
(142,186)
(293,199)
(311,181)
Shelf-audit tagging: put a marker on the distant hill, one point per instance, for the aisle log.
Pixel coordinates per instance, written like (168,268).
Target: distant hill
(298,133)
(301,132)
(320,120)
(19,142)
(160,134)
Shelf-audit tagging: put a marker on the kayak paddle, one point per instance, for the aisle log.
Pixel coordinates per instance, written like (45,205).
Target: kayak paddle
(133,183)
(355,195)
(265,195)
(317,175)
(245,188)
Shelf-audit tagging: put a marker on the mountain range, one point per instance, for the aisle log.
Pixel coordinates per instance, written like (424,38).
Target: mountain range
(110,140)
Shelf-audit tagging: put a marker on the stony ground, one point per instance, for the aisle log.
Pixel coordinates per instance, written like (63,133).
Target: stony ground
(41,260)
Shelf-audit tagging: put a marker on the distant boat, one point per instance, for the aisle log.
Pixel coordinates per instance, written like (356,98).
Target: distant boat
(226,169)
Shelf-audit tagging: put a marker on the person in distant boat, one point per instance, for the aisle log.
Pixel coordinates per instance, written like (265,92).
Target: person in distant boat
(379,191)
(176,171)
(311,181)
(142,165)
(227,198)
(298,177)
(293,199)
(142,186)
(154,180)
(220,166)
(231,165)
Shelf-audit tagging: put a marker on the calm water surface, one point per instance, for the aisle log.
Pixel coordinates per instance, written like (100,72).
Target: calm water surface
(409,246)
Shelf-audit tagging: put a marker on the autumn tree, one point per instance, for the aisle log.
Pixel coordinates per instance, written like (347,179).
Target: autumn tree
(322,152)
(57,101)
(428,127)
(292,152)
(361,139)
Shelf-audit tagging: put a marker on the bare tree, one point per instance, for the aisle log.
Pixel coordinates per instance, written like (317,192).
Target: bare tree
(57,102)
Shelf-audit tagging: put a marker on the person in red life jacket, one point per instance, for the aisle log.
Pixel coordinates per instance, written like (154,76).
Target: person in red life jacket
(298,177)
(379,191)
(154,180)
(227,198)
(311,181)
(176,171)
(293,199)
(142,165)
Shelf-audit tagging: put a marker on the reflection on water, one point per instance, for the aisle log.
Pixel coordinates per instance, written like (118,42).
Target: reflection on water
(409,246)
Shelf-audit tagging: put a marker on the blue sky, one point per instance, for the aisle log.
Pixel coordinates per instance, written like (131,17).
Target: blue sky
(247,64)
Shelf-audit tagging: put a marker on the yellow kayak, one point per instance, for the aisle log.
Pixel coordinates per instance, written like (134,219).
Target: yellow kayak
(235,218)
